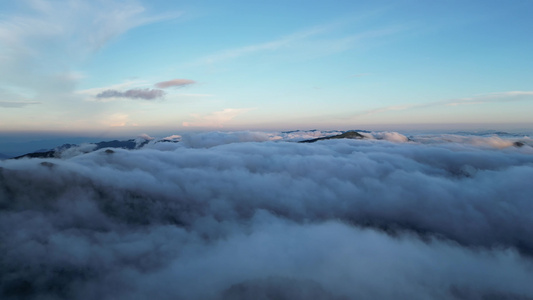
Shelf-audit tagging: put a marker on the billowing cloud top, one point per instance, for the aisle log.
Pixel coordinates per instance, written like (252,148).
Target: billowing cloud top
(146,94)
(239,216)
(175,83)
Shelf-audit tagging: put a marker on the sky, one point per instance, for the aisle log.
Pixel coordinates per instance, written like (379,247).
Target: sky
(111,67)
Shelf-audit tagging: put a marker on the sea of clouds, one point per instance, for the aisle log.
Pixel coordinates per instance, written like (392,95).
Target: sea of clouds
(253,215)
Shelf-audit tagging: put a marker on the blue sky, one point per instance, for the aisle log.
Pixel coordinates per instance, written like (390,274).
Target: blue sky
(161,66)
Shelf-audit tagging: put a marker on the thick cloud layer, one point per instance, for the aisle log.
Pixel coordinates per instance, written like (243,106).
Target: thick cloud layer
(336,219)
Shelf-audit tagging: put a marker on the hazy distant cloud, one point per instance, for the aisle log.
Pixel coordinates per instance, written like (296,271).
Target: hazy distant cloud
(479,99)
(360,75)
(145,94)
(116,120)
(12,104)
(175,83)
(217,118)
(381,110)
(486,98)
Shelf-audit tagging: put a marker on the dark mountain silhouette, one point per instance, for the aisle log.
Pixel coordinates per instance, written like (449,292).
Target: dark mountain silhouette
(45,154)
(346,135)
(128,144)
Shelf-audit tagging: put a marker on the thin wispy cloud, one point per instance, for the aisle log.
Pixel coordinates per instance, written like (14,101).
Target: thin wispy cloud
(332,45)
(194,95)
(215,119)
(138,89)
(382,109)
(40,45)
(175,83)
(360,75)
(17,104)
(490,98)
(479,99)
(127,85)
(266,46)
(144,94)
(81,24)
(314,40)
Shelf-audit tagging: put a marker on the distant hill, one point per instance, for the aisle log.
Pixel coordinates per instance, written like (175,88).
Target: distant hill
(3,156)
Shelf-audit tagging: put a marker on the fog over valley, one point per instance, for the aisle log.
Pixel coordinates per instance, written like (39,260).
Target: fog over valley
(259,215)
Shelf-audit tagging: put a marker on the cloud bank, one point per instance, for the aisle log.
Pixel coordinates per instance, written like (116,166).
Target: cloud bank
(145,94)
(238,216)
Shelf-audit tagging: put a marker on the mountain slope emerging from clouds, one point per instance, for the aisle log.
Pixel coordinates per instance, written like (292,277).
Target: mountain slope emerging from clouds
(210,139)
(57,152)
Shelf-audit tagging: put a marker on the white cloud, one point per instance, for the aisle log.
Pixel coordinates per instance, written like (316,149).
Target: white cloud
(40,46)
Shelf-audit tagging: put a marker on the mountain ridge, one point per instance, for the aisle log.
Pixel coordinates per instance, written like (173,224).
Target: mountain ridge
(130,144)
(351,134)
